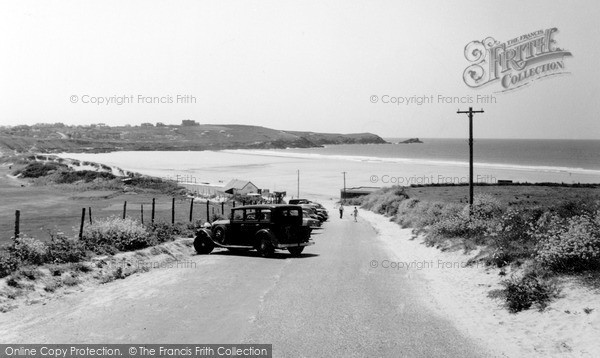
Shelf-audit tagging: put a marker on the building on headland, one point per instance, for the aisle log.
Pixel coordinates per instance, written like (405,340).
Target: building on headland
(189,123)
(349,193)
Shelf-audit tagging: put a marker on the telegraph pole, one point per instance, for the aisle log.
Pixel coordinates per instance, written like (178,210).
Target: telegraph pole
(298,192)
(470,113)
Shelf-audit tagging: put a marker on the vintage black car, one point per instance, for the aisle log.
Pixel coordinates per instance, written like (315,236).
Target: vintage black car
(265,228)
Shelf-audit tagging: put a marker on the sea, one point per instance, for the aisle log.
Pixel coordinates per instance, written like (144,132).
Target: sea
(323,172)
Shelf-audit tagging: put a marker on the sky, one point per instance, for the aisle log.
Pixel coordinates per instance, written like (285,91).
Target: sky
(324,66)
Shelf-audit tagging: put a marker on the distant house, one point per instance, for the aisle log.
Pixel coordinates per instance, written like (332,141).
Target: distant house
(240,187)
(189,123)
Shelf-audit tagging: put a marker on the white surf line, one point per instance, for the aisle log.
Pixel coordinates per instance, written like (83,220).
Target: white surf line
(417,161)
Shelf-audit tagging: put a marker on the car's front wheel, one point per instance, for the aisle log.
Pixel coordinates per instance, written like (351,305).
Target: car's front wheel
(219,234)
(296,251)
(266,248)
(203,243)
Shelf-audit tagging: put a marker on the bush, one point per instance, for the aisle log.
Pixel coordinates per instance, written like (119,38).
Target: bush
(567,209)
(82,175)
(521,293)
(422,215)
(163,231)
(451,227)
(30,250)
(511,238)
(63,250)
(38,169)
(156,184)
(108,235)
(568,244)
(8,262)
(385,201)
(31,273)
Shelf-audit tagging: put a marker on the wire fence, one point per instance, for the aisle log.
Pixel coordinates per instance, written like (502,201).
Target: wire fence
(41,224)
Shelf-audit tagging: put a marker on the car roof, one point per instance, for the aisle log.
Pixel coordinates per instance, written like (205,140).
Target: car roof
(268,206)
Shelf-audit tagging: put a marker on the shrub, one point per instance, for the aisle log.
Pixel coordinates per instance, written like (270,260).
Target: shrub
(82,175)
(63,249)
(30,250)
(451,227)
(13,282)
(81,267)
(484,207)
(8,262)
(385,201)
(422,215)
(568,244)
(38,169)
(108,235)
(511,238)
(156,184)
(570,208)
(56,270)
(31,273)
(522,292)
(163,231)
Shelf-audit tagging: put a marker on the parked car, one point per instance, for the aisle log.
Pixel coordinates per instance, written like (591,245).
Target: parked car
(317,208)
(310,220)
(265,228)
(299,201)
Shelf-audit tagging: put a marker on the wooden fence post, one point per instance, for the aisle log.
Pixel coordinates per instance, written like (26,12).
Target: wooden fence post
(17,222)
(142,212)
(222,208)
(208,210)
(124,209)
(191,209)
(173,212)
(153,204)
(82,222)
(90,214)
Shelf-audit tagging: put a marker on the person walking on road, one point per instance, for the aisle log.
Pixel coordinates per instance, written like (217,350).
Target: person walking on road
(341,210)
(355,213)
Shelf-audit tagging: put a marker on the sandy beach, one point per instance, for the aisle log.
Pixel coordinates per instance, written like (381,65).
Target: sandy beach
(461,294)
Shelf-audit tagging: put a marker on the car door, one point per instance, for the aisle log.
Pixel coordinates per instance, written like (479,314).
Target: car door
(234,230)
(249,227)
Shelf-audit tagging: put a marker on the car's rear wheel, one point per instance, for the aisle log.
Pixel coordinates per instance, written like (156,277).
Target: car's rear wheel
(266,248)
(219,234)
(203,243)
(296,251)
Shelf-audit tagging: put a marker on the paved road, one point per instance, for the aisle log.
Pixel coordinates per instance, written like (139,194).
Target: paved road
(327,303)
